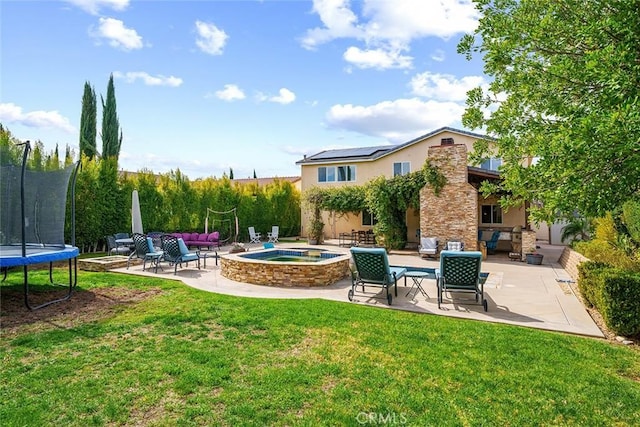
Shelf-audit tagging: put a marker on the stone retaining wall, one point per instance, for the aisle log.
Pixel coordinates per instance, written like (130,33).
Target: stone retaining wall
(569,260)
(273,273)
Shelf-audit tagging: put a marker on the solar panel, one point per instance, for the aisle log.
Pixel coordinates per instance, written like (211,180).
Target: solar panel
(350,152)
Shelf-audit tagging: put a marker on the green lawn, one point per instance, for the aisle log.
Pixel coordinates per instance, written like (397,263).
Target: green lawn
(187,357)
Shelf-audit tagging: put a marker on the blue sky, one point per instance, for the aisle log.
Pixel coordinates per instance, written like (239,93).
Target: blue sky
(205,86)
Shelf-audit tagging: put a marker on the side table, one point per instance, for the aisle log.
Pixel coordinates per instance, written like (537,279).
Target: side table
(208,254)
(417,277)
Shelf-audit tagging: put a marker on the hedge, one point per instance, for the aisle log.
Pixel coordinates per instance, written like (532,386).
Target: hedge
(614,293)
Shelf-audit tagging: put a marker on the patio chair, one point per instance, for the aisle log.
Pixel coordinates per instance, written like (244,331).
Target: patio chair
(428,247)
(492,244)
(176,252)
(372,269)
(145,251)
(272,236)
(455,245)
(114,249)
(253,236)
(460,272)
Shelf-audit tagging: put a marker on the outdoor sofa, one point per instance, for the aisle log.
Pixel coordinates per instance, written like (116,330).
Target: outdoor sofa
(200,240)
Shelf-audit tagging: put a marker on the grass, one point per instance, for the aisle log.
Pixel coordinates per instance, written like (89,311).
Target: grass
(187,357)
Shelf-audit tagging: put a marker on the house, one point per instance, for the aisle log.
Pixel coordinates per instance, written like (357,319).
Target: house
(458,213)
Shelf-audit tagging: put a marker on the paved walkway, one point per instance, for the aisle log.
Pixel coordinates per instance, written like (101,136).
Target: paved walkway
(518,294)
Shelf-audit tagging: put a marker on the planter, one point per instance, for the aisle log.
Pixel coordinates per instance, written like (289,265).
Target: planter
(312,241)
(535,259)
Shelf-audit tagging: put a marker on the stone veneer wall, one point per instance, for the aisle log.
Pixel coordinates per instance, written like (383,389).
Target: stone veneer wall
(453,214)
(323,273)
(528,243)
(569,260)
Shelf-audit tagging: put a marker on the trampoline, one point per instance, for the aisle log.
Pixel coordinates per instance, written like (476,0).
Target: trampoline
(32,222)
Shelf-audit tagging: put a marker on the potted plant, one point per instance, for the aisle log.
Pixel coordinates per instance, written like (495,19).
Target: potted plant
(316,231)
(533,257)
(313,198)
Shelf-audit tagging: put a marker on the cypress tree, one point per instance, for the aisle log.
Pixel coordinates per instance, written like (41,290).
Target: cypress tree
(230,173)
(111,134)
(254,174)
(88,122)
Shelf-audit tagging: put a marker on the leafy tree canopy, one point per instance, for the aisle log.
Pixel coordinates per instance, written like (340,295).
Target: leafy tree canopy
(565,91)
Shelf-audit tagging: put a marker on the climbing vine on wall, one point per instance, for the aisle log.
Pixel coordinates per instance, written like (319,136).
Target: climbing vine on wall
(387,198)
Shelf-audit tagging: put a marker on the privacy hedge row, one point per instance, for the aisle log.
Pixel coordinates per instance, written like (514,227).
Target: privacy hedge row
(614,293)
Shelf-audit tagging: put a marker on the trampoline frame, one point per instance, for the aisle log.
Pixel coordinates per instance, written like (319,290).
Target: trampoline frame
(41,253)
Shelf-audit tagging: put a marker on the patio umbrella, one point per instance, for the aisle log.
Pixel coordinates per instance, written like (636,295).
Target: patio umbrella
(136,216)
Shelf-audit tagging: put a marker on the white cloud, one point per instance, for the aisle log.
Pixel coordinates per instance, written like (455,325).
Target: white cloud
(397,121)
(445,87)
(285,96)
(11,113)
(117,34)
(438,55)
(93,6)
(149,80)
(339,21)
(210,38)
(376,58)
(390,25)
(230,92)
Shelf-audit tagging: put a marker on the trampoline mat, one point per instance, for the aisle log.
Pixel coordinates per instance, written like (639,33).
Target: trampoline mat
(11,256)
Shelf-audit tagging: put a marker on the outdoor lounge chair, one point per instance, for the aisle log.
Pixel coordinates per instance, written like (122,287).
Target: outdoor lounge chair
(272,236)
(176,252)
(253,236)
(145,251)
(372,269)
(428,246)
(460,272)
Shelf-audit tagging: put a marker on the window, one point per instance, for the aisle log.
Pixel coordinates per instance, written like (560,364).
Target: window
(491,164)
(491,214)
(346,173)
(322,174)
(401,168)
(368,218)
(333,173)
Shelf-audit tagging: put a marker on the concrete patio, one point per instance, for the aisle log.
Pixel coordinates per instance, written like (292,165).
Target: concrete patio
(534,296)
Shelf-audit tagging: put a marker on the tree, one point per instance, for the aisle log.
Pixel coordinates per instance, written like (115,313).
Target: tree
(111,134)
(254,174)
(230,173)
(565,92)
(88,122)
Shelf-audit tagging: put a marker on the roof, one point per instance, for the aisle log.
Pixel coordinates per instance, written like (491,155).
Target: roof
(266,181)
(372,153)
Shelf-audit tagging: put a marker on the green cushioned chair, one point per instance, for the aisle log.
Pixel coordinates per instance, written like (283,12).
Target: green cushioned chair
(460,272)
(372,269)
(176,252)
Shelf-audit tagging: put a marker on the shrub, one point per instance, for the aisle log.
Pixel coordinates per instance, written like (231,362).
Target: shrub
(589,282)
(614,293)
(631,218)
(609,246)
(621,302)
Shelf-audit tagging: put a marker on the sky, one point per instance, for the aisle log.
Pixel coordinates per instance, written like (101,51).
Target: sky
(211,86)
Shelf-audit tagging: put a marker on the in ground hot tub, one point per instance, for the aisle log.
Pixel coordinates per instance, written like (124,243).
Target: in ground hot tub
(286,267)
